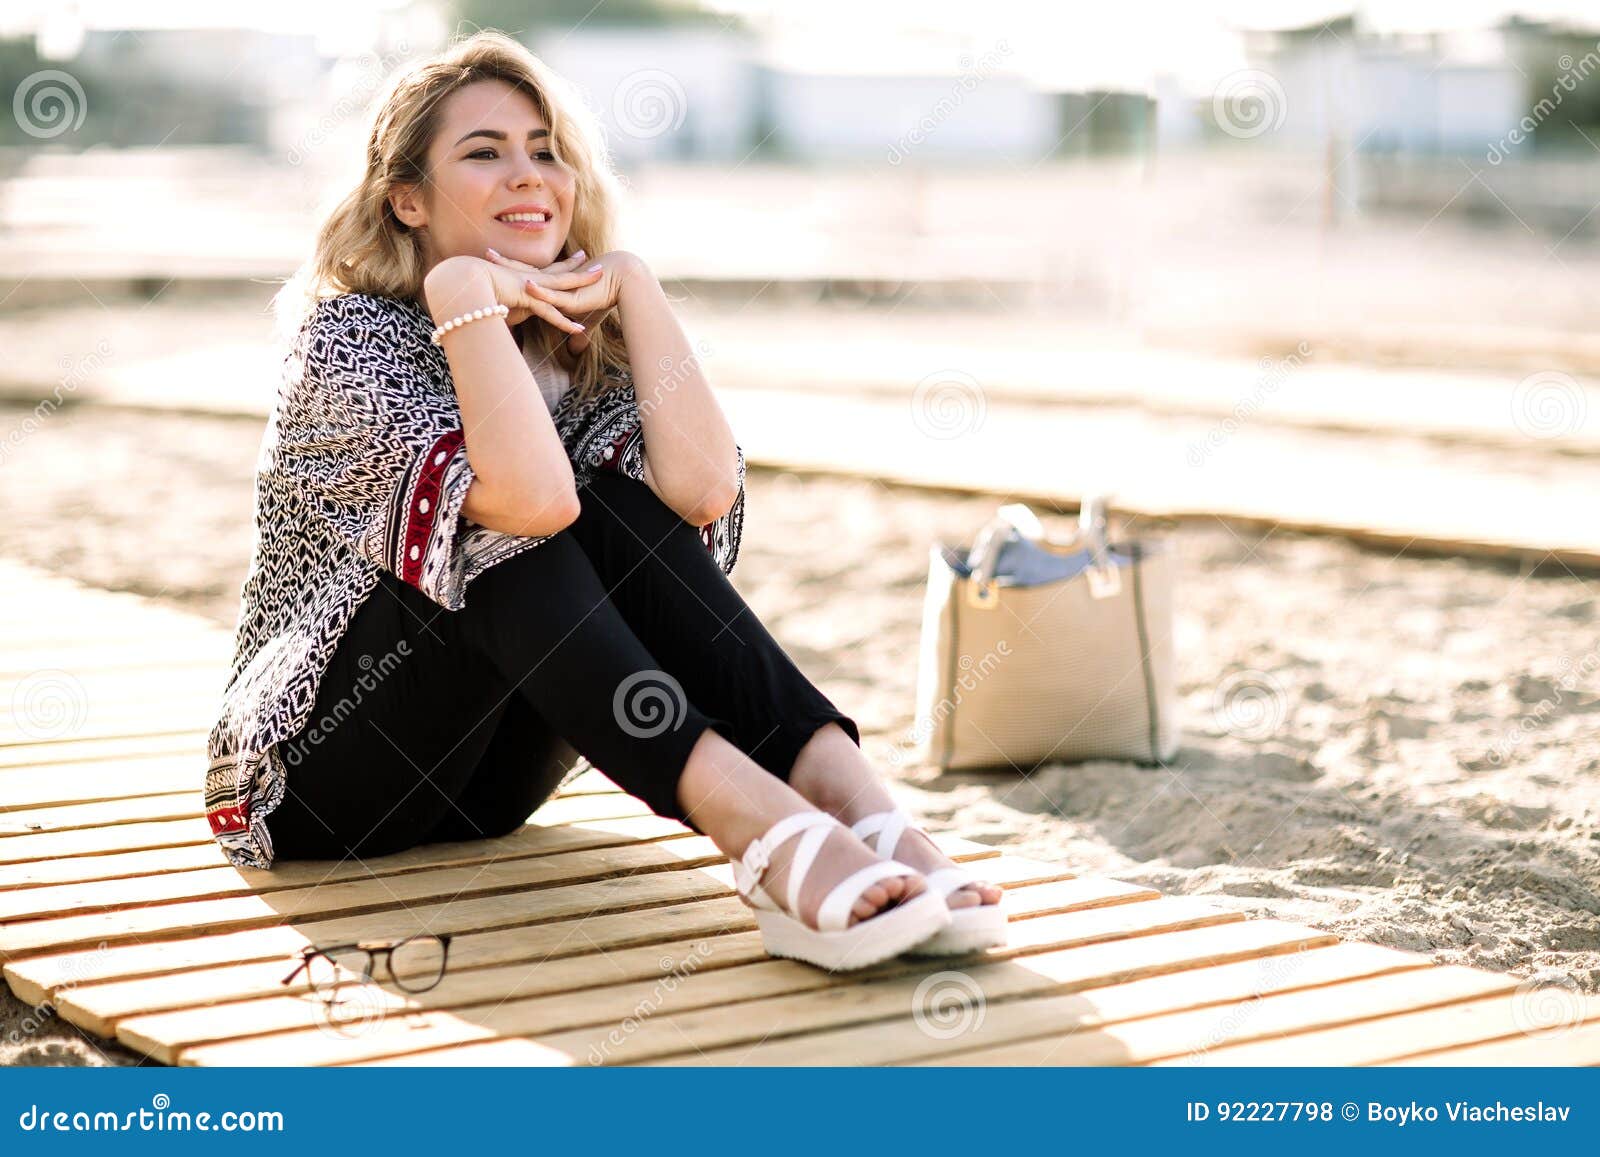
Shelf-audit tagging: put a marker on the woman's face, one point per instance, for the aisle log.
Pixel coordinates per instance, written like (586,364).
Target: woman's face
(492,157)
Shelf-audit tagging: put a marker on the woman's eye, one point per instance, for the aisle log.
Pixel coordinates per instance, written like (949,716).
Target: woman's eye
(544,154)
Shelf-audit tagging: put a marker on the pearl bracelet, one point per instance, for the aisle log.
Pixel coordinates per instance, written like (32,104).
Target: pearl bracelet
(460,320)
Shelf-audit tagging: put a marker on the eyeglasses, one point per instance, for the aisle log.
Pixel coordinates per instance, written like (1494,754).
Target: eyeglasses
(416,963)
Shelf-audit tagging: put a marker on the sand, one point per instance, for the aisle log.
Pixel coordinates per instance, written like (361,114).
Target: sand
(1400,750)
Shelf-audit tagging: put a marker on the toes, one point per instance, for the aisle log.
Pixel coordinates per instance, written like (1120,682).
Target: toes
(970,895)
(892,890)
(870,902)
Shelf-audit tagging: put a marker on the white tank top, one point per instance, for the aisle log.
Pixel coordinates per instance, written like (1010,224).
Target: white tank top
(553,380)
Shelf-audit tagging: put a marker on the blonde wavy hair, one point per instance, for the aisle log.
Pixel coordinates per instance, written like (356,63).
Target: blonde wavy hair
(362,247)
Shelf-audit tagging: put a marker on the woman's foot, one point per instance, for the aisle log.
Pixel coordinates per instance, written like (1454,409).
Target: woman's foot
(833,774)
(840,855)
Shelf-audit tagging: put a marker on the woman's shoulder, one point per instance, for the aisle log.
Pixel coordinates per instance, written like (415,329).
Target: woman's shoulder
(367,312)
(371,330)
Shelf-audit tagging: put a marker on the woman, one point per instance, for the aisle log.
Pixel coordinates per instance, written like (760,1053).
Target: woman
(467,564)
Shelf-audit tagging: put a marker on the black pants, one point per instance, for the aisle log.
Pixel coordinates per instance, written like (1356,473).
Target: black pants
(619,639)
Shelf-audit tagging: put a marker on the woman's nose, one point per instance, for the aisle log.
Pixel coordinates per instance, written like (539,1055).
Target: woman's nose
(527,173)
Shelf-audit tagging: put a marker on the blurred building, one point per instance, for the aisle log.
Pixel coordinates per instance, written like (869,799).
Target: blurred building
(194,85)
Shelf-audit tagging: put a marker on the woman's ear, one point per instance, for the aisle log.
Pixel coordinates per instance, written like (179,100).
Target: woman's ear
(407,206)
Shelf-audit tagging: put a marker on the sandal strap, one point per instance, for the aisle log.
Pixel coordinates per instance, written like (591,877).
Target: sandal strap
(834,915)
(804,856)
(889,826)
(947,880)
(749,867)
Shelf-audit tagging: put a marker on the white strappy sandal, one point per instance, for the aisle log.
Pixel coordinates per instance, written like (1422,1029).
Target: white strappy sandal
(972,928)
(835,944)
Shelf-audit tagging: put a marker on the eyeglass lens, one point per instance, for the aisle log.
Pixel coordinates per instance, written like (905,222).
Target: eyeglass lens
(417,963)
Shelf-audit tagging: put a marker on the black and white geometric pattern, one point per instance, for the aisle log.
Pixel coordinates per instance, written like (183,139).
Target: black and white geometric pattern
(363,466)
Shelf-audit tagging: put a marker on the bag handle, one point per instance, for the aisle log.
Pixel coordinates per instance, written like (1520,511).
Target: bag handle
(1093,529)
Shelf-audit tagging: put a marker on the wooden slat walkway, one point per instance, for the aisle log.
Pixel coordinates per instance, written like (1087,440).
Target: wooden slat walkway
(601,933)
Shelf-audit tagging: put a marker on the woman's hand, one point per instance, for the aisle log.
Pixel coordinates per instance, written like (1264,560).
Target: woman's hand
(586,303)
(510,287)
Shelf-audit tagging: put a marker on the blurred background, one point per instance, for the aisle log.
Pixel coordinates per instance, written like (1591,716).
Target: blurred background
(1308,285)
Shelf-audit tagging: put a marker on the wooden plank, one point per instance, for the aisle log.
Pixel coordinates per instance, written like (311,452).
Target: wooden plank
(181,759)
(40,977)
(99,721)
(1069,1033)
(476,959)
(530,929)
(112,866)
(175,920)
(1498,1019)
(178,804)
(187,649)
(190,857)
(606,873)
(76,839)
(592,1003)
(833,1017)
(101,764)
(1130,980)
(145,626)
(19,849)
(170,805)
(1578,1046)
(428,1028)
(500,1053)
(124,893)
(135,836)
(226,880)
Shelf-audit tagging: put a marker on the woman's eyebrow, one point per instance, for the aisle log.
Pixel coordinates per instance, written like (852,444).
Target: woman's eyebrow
(496,134)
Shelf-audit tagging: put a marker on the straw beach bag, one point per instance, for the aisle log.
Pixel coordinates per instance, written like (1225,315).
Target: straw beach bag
(1035,650)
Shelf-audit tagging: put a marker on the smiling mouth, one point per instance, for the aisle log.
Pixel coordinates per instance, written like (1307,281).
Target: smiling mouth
(525,220)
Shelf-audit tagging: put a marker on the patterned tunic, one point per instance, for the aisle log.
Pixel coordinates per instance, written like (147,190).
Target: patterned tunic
(363,466)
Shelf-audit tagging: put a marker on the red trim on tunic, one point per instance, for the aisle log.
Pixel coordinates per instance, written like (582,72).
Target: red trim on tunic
(420,520)
(227,819)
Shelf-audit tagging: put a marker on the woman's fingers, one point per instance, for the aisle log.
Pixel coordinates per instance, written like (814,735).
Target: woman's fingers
(552,314)
(573,280)
(561,298)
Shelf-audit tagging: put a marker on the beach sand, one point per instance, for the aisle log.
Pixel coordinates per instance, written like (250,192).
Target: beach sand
(1401,750)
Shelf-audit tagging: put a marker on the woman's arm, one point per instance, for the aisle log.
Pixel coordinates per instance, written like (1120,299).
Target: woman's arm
(524,483)
(691,459)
